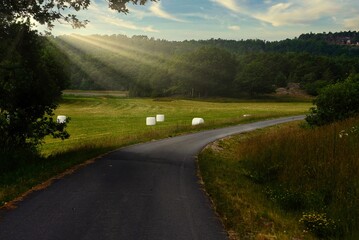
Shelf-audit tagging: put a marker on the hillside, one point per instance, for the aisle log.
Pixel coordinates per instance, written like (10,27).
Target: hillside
(207,68)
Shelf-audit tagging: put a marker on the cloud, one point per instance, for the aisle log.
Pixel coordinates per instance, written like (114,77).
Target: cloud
(286,12)
(159,12)
(139,14)
(351,23)
(200,15)
(229,4)
(101,14)
(126,24)
(297,12)
(234,28)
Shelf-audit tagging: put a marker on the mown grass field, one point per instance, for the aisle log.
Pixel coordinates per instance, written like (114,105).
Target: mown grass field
(100,124)
(287,182)
(101,119)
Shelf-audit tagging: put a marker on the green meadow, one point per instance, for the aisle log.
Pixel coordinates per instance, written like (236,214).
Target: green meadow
(100,124)
(102,119)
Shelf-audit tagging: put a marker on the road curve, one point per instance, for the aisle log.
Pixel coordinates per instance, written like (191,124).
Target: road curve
(146,191)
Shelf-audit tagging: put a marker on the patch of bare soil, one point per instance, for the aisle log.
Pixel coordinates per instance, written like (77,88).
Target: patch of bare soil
(292,89)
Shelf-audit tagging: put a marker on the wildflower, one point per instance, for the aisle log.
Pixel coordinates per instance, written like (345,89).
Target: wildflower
(354,130)
(343,133)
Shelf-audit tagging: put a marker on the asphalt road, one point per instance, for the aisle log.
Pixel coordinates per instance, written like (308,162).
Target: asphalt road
(145,191)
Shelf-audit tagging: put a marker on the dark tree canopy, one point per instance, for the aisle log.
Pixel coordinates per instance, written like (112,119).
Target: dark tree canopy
(32,76)
(207,71)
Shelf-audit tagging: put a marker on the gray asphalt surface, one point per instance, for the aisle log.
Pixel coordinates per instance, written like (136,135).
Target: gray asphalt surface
(146,191)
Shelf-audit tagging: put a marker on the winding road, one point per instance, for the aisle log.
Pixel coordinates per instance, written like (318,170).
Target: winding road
(146,191)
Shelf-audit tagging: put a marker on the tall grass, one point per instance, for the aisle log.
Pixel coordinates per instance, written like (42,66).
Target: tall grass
(311,171)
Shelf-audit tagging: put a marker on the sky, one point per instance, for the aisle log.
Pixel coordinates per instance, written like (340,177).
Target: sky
(180,20)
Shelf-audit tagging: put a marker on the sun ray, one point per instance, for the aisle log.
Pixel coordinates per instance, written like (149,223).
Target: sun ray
(121,51)
(74,53)
(131,57)
(126,47)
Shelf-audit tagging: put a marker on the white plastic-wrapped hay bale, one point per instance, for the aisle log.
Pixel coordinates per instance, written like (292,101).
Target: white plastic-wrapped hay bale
(150,121)
(160,118)
(61,119)
(197,121)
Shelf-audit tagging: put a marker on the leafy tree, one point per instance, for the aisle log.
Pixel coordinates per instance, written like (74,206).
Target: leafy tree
(336,102)
(253,79)
(208,71)
(32,76)
(280,80)
(313,88)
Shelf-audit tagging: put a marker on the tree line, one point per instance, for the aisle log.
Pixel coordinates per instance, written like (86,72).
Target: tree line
(148,67)
(342,38)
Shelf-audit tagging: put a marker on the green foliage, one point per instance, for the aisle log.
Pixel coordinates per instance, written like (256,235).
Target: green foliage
(208,71)
(333,38)
(31,79)
(254,78)
(336,102)
(149,67)
(330,44)
(281,80)
(314,87)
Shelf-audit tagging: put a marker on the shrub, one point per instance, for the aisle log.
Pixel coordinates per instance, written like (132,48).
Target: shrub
(336,102)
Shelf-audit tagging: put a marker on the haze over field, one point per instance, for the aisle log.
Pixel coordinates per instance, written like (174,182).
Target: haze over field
(228,19)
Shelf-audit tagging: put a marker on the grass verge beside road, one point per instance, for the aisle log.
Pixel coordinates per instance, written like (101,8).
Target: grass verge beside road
(286,182)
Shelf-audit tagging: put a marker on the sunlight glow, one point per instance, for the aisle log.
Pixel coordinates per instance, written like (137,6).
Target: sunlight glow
(123,55)
(121,50)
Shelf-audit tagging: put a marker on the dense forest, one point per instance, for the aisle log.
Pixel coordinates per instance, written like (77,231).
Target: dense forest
(342,38)
(148,67)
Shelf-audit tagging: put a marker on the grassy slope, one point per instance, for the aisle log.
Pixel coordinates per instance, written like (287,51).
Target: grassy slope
(101,124)
(264,182)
